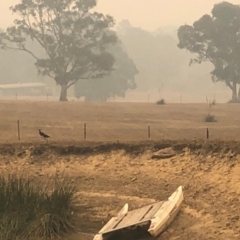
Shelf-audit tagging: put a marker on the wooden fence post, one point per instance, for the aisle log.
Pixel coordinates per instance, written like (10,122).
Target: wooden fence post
(149,132)
(207,133)
(18,129)
(85,131)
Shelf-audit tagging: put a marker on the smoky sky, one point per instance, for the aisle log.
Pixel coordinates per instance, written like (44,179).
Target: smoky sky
(148,14)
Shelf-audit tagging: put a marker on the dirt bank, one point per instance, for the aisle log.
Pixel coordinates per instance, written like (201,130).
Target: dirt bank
(88,148)
(109,175)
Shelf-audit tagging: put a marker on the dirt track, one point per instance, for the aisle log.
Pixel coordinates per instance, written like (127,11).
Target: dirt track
(108,179)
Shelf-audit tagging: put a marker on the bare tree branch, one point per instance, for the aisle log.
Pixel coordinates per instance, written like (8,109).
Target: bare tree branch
(23,49)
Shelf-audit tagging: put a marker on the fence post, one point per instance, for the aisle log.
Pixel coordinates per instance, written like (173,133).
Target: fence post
(207,133)
(85,131)
(149,132)
(18,129)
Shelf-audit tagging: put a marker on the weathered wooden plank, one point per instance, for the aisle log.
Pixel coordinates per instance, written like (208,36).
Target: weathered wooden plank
(134,217)
(114,223)
(152,211)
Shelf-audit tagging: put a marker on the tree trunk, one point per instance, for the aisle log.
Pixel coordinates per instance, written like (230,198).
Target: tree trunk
(234,92)
(63,95)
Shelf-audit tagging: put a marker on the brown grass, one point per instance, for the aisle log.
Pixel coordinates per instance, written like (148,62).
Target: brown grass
(115,121)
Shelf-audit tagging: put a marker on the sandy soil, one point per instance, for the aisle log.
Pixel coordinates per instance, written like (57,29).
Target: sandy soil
(109,176)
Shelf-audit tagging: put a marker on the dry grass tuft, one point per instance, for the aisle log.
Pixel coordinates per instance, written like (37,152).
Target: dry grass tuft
(28,211)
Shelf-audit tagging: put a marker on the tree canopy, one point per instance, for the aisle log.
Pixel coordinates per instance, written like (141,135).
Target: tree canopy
(216,38)
(114,84)
(155,54)
(73,37)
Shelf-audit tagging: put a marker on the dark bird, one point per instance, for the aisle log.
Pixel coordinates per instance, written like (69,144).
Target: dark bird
(43,135)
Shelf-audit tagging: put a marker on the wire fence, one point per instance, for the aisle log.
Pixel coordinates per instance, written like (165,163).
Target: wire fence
(102,133)
(150,96)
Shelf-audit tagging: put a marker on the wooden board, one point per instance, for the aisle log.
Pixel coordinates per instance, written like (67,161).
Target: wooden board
(134,217)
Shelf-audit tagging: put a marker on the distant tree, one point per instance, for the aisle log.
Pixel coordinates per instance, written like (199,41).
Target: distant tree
(155,54)
(216,38)
(114,84)
(73,38)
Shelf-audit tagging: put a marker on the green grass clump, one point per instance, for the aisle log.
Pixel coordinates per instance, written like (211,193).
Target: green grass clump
(210,118)
(161,102)
(28,211)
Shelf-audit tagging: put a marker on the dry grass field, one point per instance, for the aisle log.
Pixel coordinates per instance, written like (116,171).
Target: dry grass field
(110,174)
(115,121)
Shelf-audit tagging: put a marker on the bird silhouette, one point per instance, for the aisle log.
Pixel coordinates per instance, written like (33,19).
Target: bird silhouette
(43,135)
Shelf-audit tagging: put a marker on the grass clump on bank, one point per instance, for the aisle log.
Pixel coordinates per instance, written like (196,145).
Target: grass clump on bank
(29,211)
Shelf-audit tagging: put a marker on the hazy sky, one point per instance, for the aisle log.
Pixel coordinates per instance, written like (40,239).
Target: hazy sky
(148,14)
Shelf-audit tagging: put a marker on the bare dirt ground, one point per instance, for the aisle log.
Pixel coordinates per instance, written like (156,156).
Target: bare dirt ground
(108,176)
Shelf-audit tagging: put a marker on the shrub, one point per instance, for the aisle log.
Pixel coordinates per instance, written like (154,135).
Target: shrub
(210,118)
(31,212)
(234,101)
(161,102)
